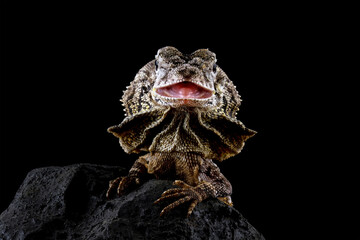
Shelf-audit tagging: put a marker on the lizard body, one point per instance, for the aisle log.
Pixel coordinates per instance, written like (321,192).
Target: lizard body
(181,109)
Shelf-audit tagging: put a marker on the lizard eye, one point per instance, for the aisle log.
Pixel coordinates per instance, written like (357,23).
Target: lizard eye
(214,67)
(156,65)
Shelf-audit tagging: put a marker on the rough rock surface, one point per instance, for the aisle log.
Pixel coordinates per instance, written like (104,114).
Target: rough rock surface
(69,203)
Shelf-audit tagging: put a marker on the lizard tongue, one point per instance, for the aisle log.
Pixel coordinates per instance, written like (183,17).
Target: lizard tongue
(184,90)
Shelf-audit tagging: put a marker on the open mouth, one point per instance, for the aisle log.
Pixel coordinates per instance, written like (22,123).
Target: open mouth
(185,90)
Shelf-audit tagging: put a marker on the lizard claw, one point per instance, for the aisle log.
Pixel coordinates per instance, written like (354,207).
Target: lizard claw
(122,184)
(186,193)
(112,185)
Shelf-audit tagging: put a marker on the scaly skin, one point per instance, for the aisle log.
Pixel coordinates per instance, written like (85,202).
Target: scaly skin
(181,109)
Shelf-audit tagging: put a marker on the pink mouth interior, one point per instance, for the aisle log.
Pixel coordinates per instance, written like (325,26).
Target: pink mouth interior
(184,90)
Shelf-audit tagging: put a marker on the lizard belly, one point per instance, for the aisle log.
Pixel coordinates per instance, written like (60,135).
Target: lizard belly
(176,165)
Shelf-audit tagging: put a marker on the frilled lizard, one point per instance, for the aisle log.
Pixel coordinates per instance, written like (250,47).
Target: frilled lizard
(181,109)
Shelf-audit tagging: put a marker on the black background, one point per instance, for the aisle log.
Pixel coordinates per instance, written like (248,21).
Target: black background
(65,66)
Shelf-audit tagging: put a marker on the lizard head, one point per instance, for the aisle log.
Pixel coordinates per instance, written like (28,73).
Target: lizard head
(184,80)
(176,80)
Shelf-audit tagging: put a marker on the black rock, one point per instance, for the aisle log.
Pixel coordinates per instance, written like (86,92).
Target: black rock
(69,203)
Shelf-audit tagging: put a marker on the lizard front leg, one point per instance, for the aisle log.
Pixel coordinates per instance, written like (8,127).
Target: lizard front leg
(212,183)
(124,184)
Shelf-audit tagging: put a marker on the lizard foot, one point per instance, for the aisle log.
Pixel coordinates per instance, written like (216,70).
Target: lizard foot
(122,184)
(186,193)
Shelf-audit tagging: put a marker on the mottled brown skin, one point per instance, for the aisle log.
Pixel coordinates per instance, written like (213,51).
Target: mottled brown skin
(181,109)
